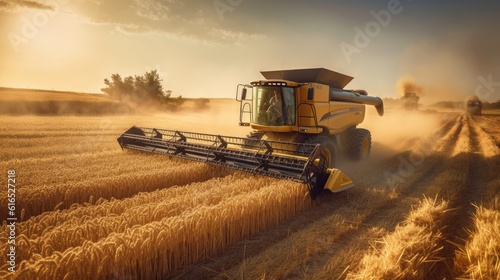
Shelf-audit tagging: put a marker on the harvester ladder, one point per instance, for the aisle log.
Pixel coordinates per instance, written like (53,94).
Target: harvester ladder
(246,109)
(311,116)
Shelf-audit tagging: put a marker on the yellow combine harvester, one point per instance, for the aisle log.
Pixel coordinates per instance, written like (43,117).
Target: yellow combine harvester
(409,101)
(301,118)
(473,105)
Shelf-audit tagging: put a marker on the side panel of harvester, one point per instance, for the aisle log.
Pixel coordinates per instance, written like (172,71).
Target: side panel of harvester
(322,103)
(334,115)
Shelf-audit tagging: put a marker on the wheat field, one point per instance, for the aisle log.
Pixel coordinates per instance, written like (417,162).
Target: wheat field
(86,209)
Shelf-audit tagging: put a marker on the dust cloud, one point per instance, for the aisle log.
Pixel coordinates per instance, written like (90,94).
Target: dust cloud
(395,132)
(406,85)
(62,108)
(399,131)
(449,67)
(220,117)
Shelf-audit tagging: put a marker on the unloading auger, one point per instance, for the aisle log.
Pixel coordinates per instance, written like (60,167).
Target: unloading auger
(300,162)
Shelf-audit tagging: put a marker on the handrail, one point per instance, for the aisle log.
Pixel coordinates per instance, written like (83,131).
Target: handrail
(249,111)
(313,110)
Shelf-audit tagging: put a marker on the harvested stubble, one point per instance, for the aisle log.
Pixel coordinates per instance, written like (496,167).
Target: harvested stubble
(324,236)
(278,259)
(463,143)
(159,248)
(443,144)
(480,257)
(411,250)
(486,142)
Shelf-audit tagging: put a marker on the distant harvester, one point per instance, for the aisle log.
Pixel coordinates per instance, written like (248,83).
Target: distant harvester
(473,106)
(409,101)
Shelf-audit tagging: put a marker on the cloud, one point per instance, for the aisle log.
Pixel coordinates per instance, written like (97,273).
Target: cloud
(17,5)
(155,10)
(196,20)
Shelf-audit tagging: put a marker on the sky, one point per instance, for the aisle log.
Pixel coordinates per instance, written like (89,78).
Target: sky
(205,48)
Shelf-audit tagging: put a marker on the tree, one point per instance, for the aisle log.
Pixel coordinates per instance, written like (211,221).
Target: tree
(153,85)
(140,89)
(168,93)
(113,86)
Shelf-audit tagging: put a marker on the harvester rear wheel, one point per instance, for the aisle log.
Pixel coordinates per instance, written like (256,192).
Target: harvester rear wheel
(329,145)
(360,142)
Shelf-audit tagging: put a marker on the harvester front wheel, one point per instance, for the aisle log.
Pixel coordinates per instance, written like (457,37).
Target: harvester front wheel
(328,144)
(360,143)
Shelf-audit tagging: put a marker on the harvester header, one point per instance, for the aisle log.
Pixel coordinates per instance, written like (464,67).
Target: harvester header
(300,162)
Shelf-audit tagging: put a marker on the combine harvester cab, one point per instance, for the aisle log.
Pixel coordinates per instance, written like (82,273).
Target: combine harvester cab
(301,118)
(309,106)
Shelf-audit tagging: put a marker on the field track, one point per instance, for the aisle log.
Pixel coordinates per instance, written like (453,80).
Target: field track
(89,209)
(349,224)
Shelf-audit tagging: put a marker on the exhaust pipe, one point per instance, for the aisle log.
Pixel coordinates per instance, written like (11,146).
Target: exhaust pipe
(357,97)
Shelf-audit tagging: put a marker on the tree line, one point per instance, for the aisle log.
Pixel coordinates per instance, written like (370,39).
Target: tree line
(140,89)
